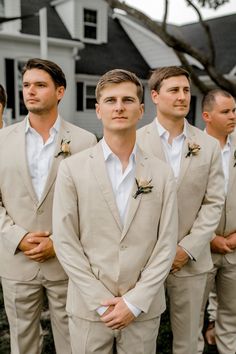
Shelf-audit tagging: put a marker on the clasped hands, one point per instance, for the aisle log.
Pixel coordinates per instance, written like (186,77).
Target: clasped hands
(118,315)
(37,246)
(224,245)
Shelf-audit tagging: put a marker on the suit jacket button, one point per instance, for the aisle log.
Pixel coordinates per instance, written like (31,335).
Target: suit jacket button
(39,211)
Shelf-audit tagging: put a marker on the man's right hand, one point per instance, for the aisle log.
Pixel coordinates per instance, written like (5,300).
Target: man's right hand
(219,245)
(24,245)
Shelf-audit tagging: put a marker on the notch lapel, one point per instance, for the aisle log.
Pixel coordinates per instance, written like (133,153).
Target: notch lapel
(22,162)
(142,172)
(155,141)
(100,172)
(64,133)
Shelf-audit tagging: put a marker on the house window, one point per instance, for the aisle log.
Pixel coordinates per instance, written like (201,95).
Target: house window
(21,106)
(191,116)
(86,99)
(2,8)
(90,24)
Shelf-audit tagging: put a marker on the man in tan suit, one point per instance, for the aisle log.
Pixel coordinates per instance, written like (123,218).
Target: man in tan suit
(219,114)
(115,237)
(33,150)
(196,162)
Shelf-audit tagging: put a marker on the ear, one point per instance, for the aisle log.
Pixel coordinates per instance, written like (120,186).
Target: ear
(206,116)
(154,96)
(60,92)
(97,108)
(141,110)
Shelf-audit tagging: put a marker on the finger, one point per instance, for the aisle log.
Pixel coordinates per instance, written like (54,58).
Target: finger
(111,302)
(34,251)
(36,239)
(40,234)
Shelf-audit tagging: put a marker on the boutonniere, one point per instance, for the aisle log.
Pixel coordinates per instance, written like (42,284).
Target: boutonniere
(65,148)
(234,158)
(193,149)
(143,186)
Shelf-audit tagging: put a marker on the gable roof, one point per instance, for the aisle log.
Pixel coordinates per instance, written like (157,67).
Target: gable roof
(56,28)
(224,38)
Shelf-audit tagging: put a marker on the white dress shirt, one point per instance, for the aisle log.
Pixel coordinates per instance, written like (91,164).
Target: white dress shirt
(40,154)
(173,152)
(122,185)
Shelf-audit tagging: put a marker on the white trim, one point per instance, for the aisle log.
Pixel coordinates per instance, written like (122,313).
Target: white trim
(28,38)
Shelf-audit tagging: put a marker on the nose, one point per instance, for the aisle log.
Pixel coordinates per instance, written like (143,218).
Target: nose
(119,106)
(31,90)
(181,95)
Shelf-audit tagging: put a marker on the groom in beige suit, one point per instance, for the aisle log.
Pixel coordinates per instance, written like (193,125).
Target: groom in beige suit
(219,114)
(31,153)
(196,162)
(115,237)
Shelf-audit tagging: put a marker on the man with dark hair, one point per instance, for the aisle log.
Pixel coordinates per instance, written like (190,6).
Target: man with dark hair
(3,101)
(219,114)
(196,163)
(115,237)
(33,150)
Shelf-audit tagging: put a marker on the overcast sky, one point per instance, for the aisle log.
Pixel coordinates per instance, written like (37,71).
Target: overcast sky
(179,12)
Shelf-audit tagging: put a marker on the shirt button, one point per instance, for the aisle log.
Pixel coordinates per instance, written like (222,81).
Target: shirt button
(123,247)
(39,211)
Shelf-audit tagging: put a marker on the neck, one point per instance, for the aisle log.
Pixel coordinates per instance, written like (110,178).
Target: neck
(174,127)
(42,123)
(219,136)
(121,145)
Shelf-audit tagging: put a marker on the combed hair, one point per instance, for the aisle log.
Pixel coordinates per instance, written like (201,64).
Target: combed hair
(50,67)
(117,76)
(160,74)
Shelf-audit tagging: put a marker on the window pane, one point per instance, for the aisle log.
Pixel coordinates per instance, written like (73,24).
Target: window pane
(90,16)
(90,32)
(90,90)
(90,103)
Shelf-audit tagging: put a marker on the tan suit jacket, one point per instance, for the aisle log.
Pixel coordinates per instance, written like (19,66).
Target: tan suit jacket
(20,210)
(103,258)
(200,193)
(227,223)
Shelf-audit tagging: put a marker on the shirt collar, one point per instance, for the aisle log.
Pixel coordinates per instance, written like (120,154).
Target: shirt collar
(162,131)
(55,127)
(107,152)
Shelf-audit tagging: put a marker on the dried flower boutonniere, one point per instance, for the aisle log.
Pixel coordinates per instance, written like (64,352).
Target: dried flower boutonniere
(143,186)
(65,148)
(193,149)
(234,158)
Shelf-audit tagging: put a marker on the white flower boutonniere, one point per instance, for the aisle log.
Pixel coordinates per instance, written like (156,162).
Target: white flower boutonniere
(65,148)
(143,186)
(193,149)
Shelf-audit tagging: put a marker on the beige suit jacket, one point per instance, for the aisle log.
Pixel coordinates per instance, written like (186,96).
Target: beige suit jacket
(103,258)
(200,193)
(20,210)
(227,223)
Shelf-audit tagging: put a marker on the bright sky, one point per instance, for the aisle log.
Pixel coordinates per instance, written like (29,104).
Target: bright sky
(179,12)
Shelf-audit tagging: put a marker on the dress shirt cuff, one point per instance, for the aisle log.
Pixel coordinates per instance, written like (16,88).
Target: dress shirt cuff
(135,310)
(189,254)
(101,310)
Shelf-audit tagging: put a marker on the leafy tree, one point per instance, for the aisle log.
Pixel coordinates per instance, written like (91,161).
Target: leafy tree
(180,46)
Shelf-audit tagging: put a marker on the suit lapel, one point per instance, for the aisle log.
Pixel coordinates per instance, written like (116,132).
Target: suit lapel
(142,172)
(185,161)
(232,169)
(155,141)
(100,172)
(22,160)
(64,133)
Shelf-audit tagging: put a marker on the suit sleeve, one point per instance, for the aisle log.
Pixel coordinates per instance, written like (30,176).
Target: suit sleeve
(158,266)
(209,214)
(11,234)
(69,250)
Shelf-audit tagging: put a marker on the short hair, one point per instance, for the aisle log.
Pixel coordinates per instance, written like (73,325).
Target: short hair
(3,96)
(209,99)
(164,73)
(56,73)
(117,76)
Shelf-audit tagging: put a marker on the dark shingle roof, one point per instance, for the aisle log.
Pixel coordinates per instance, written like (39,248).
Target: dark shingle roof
(56,27)
(119,52)
(224,36)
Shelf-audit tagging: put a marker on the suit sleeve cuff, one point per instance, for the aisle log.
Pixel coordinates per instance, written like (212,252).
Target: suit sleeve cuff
(189,254)
(101,310)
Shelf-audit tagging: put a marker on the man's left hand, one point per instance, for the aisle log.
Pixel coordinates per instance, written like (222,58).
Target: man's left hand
(43,251)
(181,258)
(120,317)
(231,241)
